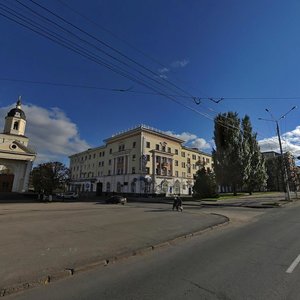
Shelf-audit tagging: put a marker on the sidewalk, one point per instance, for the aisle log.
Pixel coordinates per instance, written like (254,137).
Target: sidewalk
(268,200)
(41,242)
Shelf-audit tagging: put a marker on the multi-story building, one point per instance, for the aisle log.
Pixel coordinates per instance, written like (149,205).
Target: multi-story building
(141,160)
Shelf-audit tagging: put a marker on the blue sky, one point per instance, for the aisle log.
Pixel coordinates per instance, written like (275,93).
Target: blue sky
(230,49)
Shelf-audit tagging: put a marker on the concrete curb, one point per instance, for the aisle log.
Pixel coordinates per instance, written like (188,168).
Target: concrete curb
(104,262)
(262,206)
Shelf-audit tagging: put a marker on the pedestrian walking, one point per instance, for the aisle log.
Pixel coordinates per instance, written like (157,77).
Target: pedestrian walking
(179,204)
(174,203)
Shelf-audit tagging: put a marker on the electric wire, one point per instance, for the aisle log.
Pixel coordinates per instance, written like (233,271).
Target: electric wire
(69,45)
(123,41)
(90,44)
(107,45)
(76,50)
(83,52)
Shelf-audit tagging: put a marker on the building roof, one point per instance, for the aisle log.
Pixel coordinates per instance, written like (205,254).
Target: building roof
(144,128)
(138,129)
(196,151)
(17,111)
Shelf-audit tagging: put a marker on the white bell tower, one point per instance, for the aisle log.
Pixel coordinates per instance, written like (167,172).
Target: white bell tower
(15,121)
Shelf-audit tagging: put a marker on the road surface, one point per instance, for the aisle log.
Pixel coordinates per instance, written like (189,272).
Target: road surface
(256,260)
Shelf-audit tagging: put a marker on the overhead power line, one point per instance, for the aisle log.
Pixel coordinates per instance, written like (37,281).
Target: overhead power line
(51,34)
(108,46)
(41,30)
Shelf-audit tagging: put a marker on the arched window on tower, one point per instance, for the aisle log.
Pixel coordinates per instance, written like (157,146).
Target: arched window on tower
(16,125)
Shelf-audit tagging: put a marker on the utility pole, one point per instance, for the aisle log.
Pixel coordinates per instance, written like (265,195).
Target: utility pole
(284,170)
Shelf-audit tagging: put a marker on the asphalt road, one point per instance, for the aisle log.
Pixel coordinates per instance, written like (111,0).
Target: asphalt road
(256,260)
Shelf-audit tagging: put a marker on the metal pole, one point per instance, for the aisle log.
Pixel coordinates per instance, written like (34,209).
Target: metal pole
(284,171)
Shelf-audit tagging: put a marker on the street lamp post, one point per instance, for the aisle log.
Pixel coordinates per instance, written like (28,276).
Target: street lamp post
(284,171)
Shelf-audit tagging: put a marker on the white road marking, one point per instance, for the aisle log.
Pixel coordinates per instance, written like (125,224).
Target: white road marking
(293,265)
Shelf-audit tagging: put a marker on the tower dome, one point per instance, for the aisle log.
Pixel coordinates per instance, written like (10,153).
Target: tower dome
(15,121)
(17,111)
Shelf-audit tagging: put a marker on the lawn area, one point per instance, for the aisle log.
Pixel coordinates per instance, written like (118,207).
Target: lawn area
(225,196)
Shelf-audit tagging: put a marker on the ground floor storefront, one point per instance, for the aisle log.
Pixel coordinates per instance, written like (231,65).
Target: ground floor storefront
(134,184)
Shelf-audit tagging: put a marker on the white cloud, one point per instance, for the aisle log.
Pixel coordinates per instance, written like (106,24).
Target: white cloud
(51,133)
(186,136)
(180,63)
(200,144)
(290,142)
(191,140)
(163,70)
(163,76)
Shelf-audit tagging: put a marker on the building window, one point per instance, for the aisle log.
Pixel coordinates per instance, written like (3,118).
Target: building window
(109,162)
(100,154)
(183,164)
(183,154)
(103,153)
(90,156)
(147,144)
(148,170)
(148,157)
(94,155)
(176,151)
(157,147)
(103,164)
(164,148)
(108,187)
(194,157)
(16,125)
(207,160)
(176,173)
(183,174)
(133,187)
(169,149)
(133,170)
(108,172)
(133,157)
(133,144)
(110,151)
(176,163)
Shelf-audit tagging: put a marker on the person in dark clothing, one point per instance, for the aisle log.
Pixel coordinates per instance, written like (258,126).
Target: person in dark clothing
(179,204)
(174,203)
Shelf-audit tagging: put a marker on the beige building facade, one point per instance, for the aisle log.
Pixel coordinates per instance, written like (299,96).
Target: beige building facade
(16,158)
(142,160)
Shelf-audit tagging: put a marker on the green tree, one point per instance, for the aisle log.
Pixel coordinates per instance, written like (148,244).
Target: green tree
(205,185)
(227,155)
(48,177)
(254,171)
(273,167)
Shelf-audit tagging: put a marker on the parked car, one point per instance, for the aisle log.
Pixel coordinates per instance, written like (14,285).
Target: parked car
(69,195)
(116,199)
